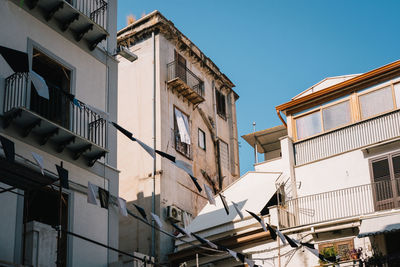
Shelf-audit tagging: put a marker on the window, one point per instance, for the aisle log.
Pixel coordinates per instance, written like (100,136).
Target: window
(336,115)
(221,106)
(57,78)
(202,139)
(181,133)
(223,154)
(385,174)
(308,125)
(376,102)
(342,248)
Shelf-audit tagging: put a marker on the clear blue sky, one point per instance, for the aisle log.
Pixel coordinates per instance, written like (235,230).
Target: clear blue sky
(274,49)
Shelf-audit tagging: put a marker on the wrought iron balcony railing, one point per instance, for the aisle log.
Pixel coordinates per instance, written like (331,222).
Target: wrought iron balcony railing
(185,82)
(340,204)
(96,10)
(61,108)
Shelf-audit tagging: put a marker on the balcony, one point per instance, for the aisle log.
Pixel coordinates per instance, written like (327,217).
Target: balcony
(62,121)
(351,137)
(340,204)
(185,83)
(182,148)
(86,19)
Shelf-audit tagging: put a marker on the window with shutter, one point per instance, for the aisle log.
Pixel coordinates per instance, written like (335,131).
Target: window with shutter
(221,105)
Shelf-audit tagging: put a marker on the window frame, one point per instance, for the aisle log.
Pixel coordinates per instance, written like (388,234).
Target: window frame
(371,90)
(175,128)
(320,110)
(219,105)
(198,141)
(227,152)
(336,244)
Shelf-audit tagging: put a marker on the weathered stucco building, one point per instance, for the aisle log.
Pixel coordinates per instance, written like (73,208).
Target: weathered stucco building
(192,116)
(334,164)
(68,45)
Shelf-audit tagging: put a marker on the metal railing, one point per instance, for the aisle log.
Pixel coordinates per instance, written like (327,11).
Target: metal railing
(178,70)
(61,108)
(340,204)
(96,10)
(181,147)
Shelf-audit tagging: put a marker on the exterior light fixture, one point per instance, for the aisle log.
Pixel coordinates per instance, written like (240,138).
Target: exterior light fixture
(126,53)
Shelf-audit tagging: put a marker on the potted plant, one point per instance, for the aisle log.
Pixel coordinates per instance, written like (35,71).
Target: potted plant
(355,253)
(330,254)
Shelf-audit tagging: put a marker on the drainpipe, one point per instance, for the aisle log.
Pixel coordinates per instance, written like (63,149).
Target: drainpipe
(216,143)
(153,197)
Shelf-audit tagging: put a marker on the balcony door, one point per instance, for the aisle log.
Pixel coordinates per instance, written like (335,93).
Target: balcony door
(385,174)
(57,77)
(180,67)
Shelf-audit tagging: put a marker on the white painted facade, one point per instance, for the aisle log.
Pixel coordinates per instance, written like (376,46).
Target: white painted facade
(93,81)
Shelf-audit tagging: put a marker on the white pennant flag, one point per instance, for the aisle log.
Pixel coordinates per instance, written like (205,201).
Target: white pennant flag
(39,161)
(211,244)
(281,236)
(236,206)
(156,219)
(147,148)
(91,195)
(122,206)
(184,166)
(233,254)
(249,262)
(40,84)
(209,194)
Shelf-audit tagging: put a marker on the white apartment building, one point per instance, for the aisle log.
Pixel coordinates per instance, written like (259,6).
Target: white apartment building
(329,178)
(175,98)
(66,48)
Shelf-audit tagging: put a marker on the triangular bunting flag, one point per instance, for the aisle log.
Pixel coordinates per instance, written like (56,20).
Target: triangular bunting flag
(226,207)
(236,206)
(205,241)
(147,148)
(271,232)
(290,241)
(240,256)
(141,211)
(194,179)
(39,161)
(122,206)
(156,219)
(63,175)
(8,148)
(165,155)
(184,166)
(259,220)
(281,236)
(104,196)
(181,230)
(209,194)
(91,193)
(124,131)
(233,254)
(249,262)
(40,85)
(17,60)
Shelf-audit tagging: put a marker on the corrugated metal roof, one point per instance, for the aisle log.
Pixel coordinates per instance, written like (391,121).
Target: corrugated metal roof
(268,139)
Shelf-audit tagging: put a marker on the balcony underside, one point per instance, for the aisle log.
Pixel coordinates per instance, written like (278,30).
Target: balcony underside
(69,17)
(59,138)
(181,88)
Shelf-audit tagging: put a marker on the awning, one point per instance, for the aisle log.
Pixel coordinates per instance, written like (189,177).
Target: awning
(380,225)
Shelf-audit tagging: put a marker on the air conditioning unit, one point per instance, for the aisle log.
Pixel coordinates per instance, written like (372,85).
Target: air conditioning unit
(174,213)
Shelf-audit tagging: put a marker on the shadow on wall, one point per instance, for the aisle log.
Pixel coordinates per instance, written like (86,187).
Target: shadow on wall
(134,235)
